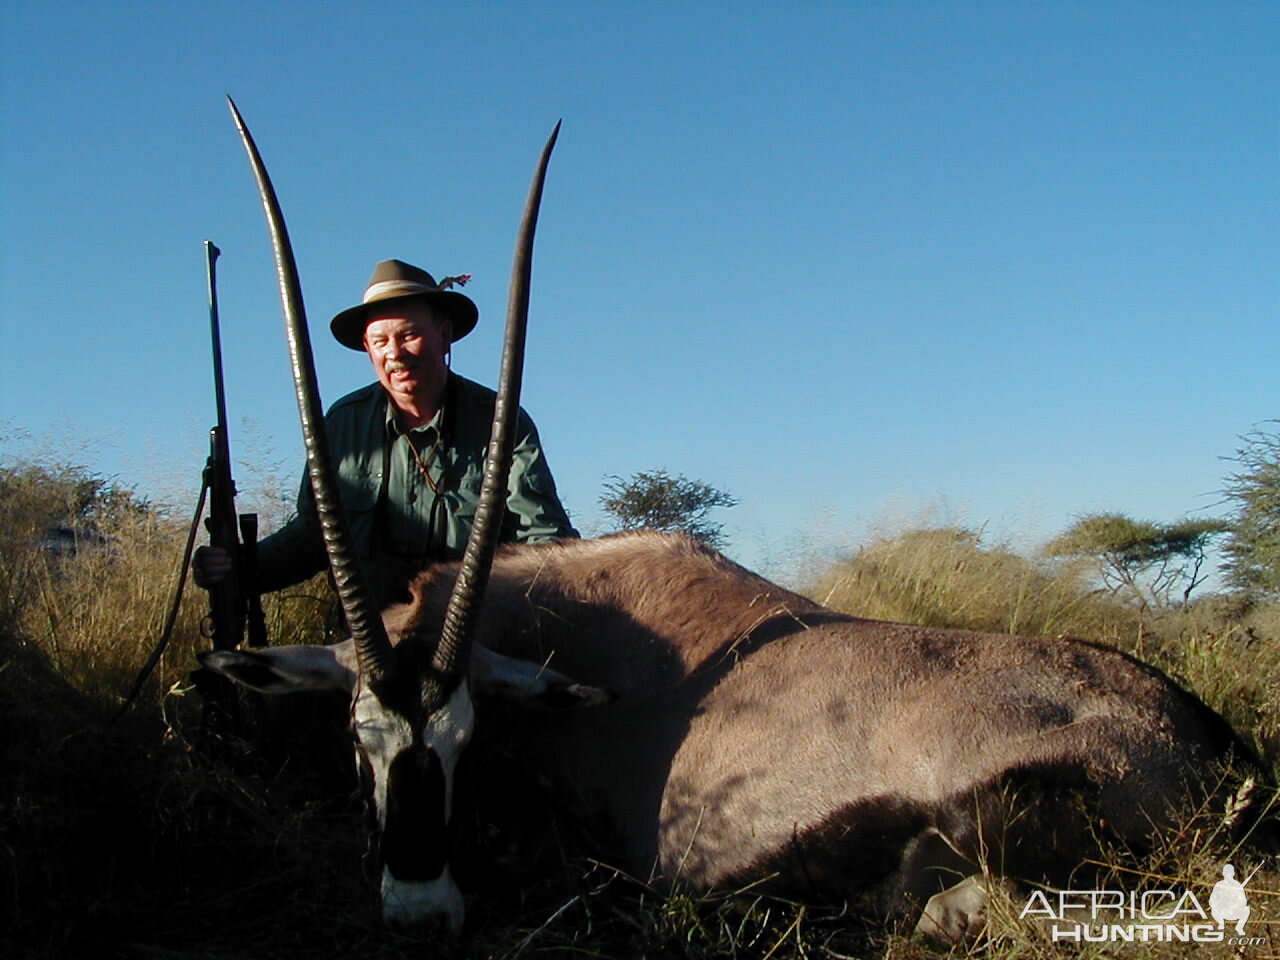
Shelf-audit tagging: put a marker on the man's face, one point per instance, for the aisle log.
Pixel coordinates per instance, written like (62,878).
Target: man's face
(407,346)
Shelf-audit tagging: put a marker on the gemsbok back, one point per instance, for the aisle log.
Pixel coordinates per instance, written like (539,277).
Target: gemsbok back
(733,731)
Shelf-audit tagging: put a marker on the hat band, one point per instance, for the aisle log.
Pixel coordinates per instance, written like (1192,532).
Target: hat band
(389,288)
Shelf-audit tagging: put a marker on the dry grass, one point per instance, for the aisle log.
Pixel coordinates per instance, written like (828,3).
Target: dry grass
(153,838)
(96,616)
(946,577)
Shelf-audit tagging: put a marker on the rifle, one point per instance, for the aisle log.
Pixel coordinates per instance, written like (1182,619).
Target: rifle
(235,602)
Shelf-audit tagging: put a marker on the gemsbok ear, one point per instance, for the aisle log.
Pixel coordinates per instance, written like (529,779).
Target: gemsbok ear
(287,669)
(530,684)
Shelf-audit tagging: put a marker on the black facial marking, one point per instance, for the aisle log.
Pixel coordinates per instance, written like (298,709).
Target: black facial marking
(416,690)
(369,862)
(415,840)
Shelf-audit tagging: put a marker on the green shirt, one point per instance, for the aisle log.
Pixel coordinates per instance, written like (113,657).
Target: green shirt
(411,496)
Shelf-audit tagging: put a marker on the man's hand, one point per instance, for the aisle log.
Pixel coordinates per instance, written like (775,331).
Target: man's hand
(210,566)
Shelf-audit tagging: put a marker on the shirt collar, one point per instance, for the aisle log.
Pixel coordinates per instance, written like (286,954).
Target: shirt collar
(433,427)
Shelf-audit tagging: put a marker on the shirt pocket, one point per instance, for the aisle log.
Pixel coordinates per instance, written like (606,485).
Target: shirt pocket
(464,496)
(359,488)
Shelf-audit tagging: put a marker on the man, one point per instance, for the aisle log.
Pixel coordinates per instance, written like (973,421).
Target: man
(409,449)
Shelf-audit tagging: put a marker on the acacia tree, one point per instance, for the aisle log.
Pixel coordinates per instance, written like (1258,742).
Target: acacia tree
(1252,548)
(1146,560)
(655,500)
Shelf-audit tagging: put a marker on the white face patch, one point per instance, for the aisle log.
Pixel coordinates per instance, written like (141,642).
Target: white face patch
(407,903)
(382,735)
(413,797)
(447,733)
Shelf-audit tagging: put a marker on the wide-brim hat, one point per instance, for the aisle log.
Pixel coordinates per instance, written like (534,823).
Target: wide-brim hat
(397,280)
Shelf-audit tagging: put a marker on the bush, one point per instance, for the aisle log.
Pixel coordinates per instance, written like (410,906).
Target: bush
(655,500)
(1253,548)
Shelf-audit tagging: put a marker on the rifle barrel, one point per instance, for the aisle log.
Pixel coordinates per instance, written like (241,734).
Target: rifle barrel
(211,256)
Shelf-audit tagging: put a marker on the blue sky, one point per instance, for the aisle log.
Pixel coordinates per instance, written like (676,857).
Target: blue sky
(849,261)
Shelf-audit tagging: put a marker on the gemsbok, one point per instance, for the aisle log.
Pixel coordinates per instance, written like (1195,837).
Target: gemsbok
(727,730)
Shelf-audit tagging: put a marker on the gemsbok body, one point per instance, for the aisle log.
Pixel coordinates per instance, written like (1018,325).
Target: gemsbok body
(753,735)
(725,730)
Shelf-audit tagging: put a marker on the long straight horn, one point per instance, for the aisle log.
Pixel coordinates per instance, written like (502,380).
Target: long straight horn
(372,646)
(454,646)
